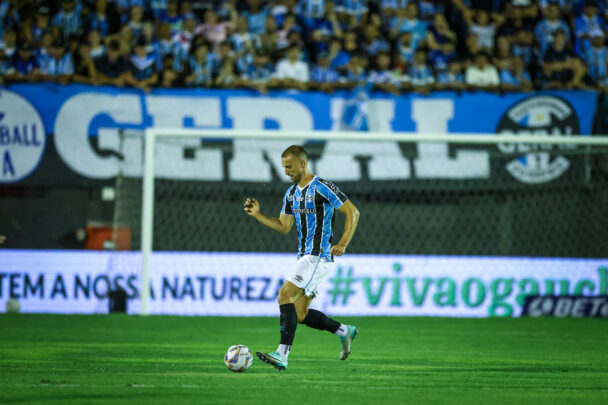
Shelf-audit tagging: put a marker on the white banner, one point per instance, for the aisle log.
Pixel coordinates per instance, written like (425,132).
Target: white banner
(246,284)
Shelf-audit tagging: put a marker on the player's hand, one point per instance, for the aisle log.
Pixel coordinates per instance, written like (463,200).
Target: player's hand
(252,207)
(337,250)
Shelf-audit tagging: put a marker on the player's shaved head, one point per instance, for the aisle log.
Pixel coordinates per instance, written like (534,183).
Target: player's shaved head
(296,151)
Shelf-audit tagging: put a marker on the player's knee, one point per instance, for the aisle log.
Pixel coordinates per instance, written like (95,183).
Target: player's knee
(284,297)
(302,315)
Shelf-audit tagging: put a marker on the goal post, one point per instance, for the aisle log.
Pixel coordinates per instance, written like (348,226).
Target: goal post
(539,145)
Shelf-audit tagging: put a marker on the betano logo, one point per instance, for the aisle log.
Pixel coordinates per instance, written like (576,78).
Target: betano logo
(503,294)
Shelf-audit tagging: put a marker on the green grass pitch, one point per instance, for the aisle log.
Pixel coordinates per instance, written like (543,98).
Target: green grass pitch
(119,359)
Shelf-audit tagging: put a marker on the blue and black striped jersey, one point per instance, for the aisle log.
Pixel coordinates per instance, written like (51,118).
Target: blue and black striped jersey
(313,209)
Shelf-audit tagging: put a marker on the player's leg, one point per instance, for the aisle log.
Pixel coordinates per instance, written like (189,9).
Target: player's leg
(317,319)
(288,295)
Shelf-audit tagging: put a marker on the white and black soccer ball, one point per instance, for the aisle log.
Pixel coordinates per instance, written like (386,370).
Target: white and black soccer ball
(238,358)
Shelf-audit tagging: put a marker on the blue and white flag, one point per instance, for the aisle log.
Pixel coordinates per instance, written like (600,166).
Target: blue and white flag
(355,115)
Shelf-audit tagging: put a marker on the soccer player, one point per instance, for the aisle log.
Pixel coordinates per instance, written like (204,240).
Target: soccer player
(310,203)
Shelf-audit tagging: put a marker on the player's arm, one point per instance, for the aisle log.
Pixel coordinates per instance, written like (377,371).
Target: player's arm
(282,224)
(350,225)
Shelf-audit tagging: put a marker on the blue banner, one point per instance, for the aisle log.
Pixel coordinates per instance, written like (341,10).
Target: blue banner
(70,114)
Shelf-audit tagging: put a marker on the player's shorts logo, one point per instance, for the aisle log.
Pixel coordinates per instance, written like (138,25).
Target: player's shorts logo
(540,116)
(22,137)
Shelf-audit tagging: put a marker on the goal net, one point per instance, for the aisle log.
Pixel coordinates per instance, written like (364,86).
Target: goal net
(475,194)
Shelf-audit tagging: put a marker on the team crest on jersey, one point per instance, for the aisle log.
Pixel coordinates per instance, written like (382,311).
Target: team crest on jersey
(542,116)
(310,197)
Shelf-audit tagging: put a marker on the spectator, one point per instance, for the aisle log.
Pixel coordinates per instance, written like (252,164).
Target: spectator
(171,16)
(586,23)
(214,31)
(322,76)
(200,67)
(84,66)
(440,38)
(337,56)
(227,77)
(96,47)
(373,43)
(224,53)
(327,25)
(355,73)
(484,27)
(40,25)
(309,11)
(561,68)
(289,25)
(227,10)
(136,21)
(67,21)
(389,8)
(516,21)
(514,78)
(142,73)
(256,15)
(159,9)
(351,42)
(185,10)
(98,20)
(60,66)
(596,58)
(522,48)
(43,52)
(383,76)
(244,44)
(407,21)
(283,7)
(242,40)
(472,47)
(547,27)
(9,43)
(419,75)
(482,75)
(353,13)
(405,51)
(112,68)
(259,73)
(502,53)
(181,43)
(452,78)
(164,42)
(7,70)
(291,72)
(26,66)
(428,9)
(168,77)
(269,39)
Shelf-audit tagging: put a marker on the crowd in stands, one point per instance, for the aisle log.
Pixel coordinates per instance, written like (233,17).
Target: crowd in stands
(393,45)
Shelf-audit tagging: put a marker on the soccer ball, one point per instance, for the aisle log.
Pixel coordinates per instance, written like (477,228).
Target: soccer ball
(238,358)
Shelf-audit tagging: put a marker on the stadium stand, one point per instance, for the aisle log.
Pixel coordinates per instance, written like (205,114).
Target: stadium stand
(398,45)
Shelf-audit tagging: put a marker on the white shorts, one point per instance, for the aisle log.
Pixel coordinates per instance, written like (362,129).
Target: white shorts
(309,272)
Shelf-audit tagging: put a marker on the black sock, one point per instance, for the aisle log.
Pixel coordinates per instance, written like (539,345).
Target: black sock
(289,322)
(318,320)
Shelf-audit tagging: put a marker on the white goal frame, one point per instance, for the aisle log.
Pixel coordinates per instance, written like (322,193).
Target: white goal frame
(152,134)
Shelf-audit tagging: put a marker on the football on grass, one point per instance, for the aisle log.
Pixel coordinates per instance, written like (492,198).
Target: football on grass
(238,358)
